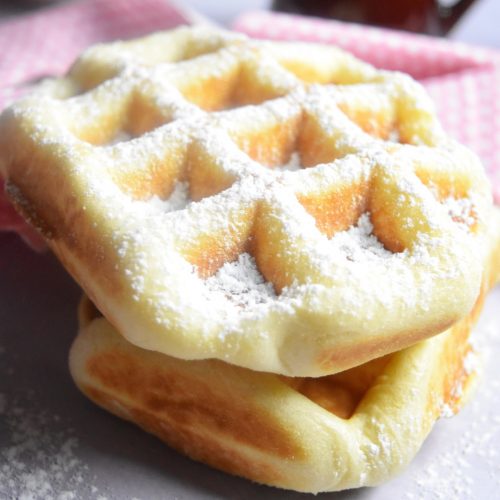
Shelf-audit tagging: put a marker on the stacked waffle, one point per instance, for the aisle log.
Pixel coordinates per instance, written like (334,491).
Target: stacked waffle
(273,235)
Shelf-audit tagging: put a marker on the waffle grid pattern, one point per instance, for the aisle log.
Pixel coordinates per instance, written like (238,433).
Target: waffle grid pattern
(221,117)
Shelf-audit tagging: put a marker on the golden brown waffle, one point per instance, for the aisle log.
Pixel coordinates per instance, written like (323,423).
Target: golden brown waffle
(351,429)
(284,207)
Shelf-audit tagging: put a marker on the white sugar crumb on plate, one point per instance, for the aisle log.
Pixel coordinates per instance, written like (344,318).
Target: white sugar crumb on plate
(241,283)
(447,411)
(38,463)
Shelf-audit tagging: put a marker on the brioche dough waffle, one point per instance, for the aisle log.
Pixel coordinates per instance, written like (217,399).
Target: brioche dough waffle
(167,171)
(355,428)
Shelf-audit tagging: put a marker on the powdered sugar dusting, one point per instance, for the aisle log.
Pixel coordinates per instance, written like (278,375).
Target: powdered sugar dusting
(241,283)
(38,464)
(464,461)
(461,463)
(359,242)
(447,411)
(121,136)
(293,163)
(178,199)
(460,210)
(394,136)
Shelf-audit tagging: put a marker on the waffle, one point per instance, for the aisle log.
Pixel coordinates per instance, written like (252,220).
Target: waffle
(355,428)
(280,206)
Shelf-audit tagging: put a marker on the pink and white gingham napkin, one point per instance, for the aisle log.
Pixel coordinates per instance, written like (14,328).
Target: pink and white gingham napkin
(464,81)
(47,42)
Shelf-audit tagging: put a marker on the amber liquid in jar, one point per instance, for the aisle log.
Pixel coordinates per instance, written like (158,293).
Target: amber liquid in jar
(434,17)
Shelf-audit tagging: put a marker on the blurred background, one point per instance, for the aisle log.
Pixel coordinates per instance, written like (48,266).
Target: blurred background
(472,21)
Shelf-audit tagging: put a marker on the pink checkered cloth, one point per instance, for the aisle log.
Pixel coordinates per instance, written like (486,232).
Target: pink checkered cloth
(464,81)
(47,42)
